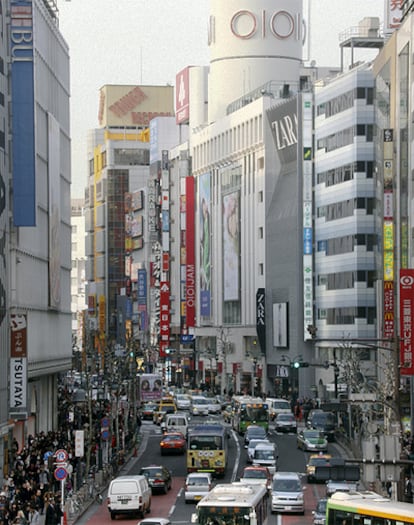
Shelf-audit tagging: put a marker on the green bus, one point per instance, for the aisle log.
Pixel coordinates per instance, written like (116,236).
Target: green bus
(248,411)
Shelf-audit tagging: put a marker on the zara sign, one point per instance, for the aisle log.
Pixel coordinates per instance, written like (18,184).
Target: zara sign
(280,24)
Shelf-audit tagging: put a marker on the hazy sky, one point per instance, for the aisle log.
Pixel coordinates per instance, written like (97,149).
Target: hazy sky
(149,41)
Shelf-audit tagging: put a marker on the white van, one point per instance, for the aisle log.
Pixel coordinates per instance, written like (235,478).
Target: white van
(129,495)
(176,423)
(265,455)
(278,406)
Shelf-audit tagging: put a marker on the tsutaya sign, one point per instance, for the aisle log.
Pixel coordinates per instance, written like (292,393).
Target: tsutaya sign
(280,24)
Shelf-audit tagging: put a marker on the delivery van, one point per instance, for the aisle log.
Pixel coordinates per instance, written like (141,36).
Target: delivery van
(129,495)
(266,455)
(176,423)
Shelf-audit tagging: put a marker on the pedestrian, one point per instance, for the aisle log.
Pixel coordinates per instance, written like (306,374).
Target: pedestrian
(408,490)
(53,513)
(33,515)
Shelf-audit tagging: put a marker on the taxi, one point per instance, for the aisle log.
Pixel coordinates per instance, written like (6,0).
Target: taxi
(316,460)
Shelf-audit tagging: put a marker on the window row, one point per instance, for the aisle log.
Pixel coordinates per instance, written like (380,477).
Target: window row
(339,210)
(347,315)
(345,137)
(343,173)
(346,101)
(346,280)
(347,243)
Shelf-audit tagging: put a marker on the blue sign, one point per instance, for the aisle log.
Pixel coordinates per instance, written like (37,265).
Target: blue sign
(186,338)
(142,286)
(307,241)
(61,473)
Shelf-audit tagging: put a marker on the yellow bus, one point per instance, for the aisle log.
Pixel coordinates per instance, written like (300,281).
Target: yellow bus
(367,508)
(207,449)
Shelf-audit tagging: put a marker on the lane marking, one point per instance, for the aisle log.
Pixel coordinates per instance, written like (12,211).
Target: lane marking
(236,464)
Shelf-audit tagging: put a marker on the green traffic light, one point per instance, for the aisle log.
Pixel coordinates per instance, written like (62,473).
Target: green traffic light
(296,364)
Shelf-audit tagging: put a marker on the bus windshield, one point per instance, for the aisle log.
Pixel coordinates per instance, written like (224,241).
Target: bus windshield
(206,442)
(250,413)
(223,516)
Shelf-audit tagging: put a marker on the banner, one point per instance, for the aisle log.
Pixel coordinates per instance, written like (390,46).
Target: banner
(406,321)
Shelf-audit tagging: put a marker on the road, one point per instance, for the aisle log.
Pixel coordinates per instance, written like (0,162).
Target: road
(172,505)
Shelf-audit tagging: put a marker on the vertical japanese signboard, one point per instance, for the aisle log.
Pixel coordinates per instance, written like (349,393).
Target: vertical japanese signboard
(18,366)
(406,321)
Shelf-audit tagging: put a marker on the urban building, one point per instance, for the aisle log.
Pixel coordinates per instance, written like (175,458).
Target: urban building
(78,281)
(35,274)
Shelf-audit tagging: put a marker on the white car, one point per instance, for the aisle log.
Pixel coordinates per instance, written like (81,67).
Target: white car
(252,446)
(183,401)
(197,485)
(214,405)
(199,406)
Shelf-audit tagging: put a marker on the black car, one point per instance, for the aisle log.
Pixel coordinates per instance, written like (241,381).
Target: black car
(159,478)
(254,432)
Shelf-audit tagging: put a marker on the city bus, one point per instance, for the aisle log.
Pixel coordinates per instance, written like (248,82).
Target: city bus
(207,449)
(250,411)
(367,508)
(233,504)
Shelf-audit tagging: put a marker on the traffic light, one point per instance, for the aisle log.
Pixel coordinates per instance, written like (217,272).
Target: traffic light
(300,364)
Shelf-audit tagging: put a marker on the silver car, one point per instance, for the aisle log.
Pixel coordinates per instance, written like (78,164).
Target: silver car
(197,485)
(287,493)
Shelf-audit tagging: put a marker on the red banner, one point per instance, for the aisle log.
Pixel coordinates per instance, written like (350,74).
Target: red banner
(406,322)
(190,276)
(164,317)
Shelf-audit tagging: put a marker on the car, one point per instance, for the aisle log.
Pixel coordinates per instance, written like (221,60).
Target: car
(312,440)
(129,495)
(214,405)
(197,485)
(340,486)
(252,446)
(319,514)
(266,455)
(287,493)
(323,421)
(227,413)
(199,406)
(278,406)
(254,432)
(155,521)
(159,478)
(285,423)
(257,475)
(183,401)
(316,460)
(164,408)
(173,442)
(148,409)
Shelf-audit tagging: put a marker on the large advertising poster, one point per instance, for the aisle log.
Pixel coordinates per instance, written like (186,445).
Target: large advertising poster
(406,321)
(54,212)
(22,100)
(231,246)
(190,279)
(204,192)
(18,366)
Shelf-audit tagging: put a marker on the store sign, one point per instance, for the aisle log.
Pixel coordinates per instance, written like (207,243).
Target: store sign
(18,364)
(282,25)
(406,322)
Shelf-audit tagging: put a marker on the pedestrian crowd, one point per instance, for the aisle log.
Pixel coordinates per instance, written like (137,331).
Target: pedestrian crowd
(31,490)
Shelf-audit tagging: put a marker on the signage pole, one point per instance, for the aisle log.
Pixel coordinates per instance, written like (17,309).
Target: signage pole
(62,501)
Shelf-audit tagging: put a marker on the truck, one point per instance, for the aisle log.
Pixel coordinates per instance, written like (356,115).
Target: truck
(149,387)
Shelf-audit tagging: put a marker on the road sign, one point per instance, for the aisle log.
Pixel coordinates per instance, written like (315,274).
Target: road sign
(61,455)
(60,473)
(105,422)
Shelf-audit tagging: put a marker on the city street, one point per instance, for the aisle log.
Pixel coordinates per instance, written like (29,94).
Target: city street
(172,505)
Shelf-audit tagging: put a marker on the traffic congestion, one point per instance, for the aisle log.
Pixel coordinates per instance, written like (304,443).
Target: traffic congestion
(199,463)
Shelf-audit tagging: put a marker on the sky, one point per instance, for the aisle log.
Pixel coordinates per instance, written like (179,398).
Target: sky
(149,41)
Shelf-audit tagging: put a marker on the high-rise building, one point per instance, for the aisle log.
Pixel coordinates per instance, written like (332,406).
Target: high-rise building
(35,322)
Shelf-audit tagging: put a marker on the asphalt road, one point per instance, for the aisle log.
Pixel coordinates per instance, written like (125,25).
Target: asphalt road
(172,505)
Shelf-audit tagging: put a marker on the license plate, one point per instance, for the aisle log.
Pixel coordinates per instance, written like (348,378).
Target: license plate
(197,497)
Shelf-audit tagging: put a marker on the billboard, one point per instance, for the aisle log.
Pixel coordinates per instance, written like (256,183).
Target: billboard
(406,321)
(204,206)
(134,105)
(18,366)
(182,96)
(231,246)
(190,279)
(22,101)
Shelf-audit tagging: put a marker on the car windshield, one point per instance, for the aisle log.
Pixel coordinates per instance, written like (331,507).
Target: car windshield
(255,432)
(263,454)
(172,438)
(318,461)
(200,402)
(286,485)
(152,472)
(312,435)
(199,480)
(321,506)
(285,417)
(254,474)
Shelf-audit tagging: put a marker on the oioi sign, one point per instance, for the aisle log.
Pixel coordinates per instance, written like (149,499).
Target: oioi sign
(281,24)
